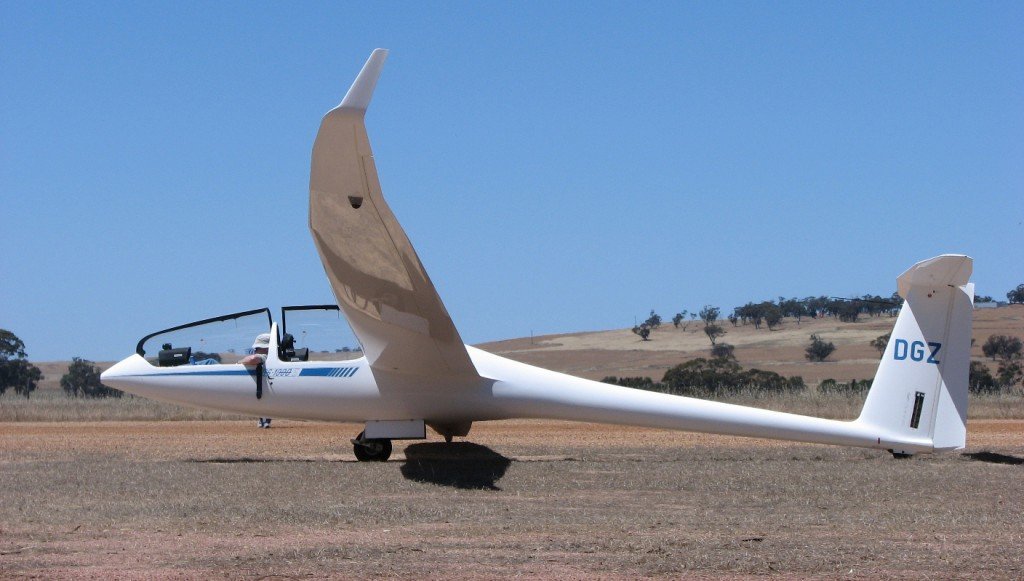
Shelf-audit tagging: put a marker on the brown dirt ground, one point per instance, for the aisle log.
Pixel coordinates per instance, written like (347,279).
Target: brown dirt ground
(533,499)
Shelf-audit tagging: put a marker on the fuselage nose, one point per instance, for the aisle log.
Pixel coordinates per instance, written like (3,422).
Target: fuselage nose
(120,374)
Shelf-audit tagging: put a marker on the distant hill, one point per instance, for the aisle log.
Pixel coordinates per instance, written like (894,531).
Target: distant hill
(619,352)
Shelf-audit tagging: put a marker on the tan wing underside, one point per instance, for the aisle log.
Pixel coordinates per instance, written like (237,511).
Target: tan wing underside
(377,278)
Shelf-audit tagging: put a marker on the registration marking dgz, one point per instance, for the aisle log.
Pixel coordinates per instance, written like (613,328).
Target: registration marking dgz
(915,350)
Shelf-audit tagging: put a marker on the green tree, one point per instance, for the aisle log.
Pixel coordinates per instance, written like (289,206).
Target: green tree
(848,311)
(709,315)
(819,349)
(1005,347)
(881,342)
(793,308)
(1016,296)
(15,370)
(644,330)
(654,321)
(83,379)
(678,319)
(750,312)
(772,316)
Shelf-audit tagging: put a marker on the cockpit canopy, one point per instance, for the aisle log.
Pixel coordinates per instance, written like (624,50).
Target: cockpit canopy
(317,332)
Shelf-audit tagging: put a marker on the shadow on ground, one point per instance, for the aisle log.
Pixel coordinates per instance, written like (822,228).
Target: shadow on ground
(249,460)
(458,464)
(994,458)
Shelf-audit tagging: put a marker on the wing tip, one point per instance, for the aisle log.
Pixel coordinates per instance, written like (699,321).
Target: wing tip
(361,92)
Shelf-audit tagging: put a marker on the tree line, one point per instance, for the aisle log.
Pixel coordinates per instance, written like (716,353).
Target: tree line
(771,313)
(16,372)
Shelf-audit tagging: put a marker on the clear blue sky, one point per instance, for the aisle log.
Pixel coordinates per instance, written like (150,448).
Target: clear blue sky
(559,166)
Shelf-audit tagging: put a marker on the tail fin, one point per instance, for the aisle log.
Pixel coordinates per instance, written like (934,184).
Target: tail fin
(919,396)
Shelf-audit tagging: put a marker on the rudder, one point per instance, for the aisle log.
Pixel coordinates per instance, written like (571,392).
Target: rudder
(918,400)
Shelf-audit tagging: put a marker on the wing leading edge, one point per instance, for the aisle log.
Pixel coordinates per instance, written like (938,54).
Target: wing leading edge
(377,278)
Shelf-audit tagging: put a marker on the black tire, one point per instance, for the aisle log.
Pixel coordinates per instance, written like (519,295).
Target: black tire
(376,450)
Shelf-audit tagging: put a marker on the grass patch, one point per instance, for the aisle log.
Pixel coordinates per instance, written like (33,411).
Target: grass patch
(55,406)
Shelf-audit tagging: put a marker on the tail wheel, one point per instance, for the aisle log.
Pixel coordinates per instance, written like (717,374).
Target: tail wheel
(375,450)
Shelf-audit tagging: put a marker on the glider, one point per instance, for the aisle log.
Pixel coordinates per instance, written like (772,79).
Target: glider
(415,372)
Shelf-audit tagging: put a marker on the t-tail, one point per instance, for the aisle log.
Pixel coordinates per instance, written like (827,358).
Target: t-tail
(919,394)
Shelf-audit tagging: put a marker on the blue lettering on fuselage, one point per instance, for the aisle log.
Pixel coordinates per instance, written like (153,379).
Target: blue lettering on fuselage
(915,350)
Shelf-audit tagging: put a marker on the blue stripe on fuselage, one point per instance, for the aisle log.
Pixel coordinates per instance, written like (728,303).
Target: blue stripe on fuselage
(329,372)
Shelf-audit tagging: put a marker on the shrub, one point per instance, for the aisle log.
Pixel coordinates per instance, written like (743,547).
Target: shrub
(854,387)
(819,349)
(635,382)
(1010,373)
(723,350)
(980,380)
(719,375)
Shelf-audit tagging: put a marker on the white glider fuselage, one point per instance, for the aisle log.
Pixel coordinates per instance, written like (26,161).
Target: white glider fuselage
(348,391)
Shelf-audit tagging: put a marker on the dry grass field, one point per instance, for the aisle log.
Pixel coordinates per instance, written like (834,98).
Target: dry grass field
(217,499)
(210,496)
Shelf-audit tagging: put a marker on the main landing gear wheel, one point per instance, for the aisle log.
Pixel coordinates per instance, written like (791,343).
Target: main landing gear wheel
(375,450)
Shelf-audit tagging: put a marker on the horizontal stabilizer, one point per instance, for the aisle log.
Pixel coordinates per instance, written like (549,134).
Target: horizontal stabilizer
(941,271)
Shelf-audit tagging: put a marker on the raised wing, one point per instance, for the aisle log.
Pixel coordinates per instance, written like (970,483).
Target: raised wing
(377,277)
